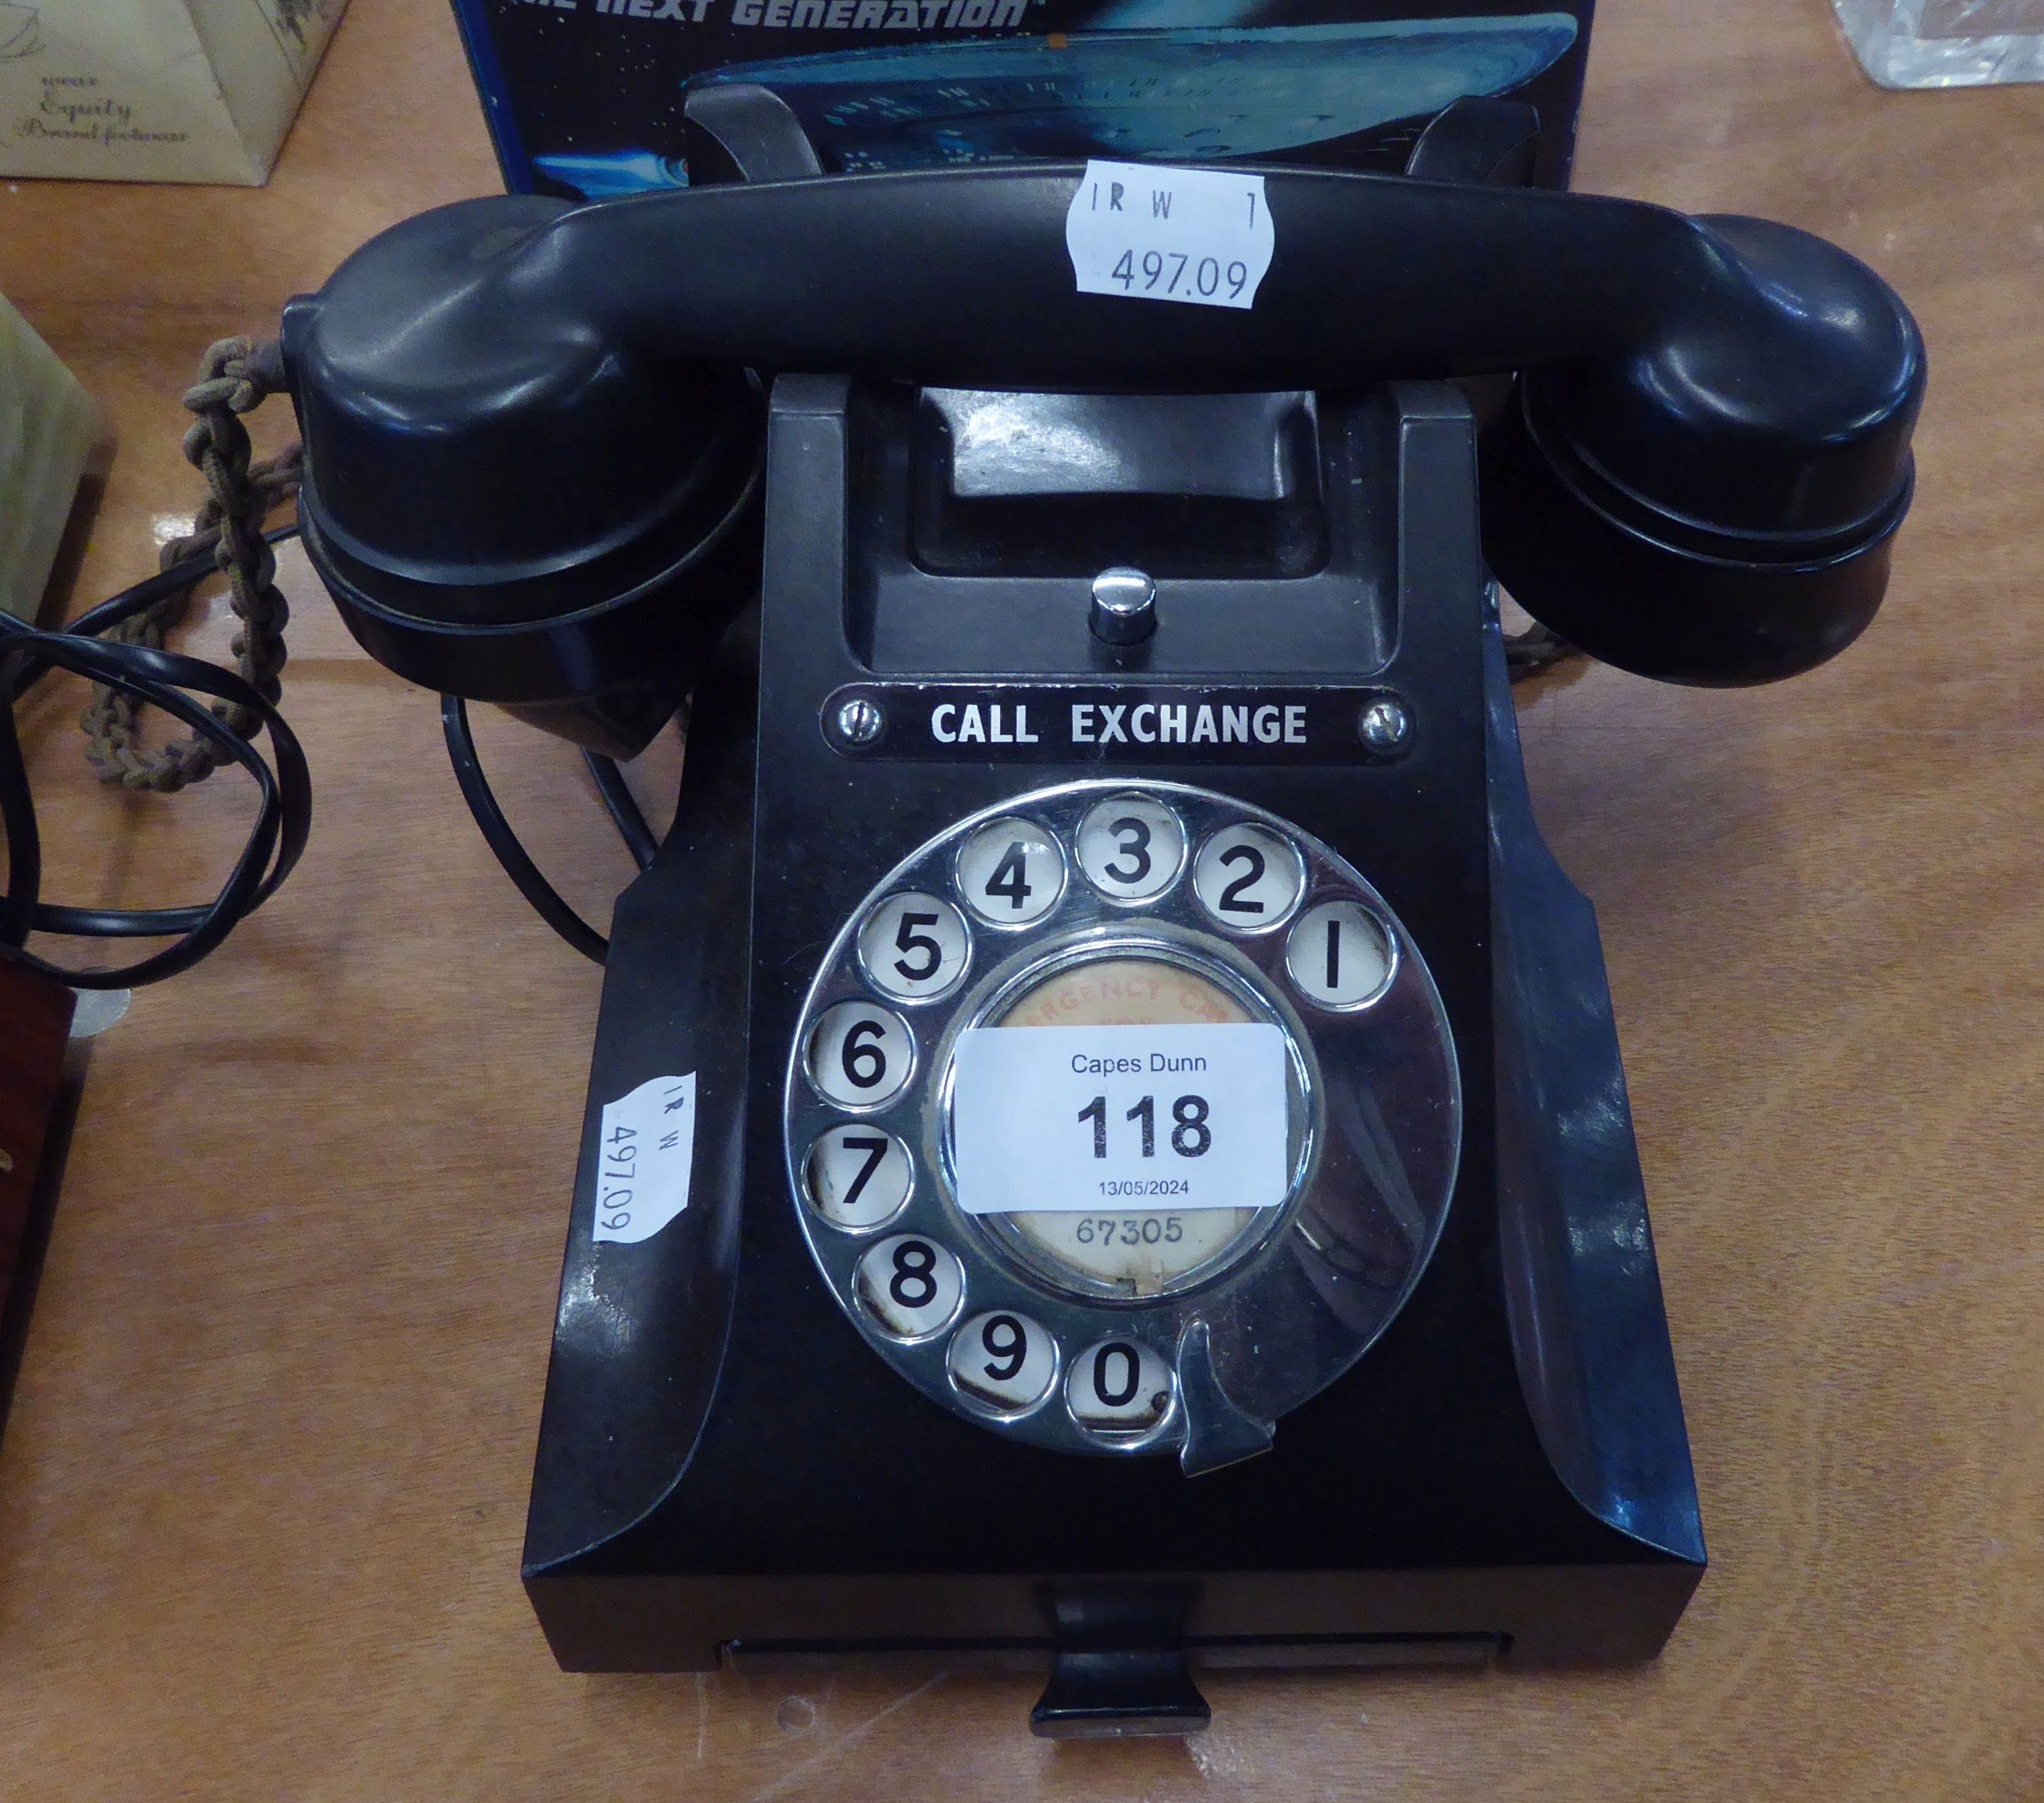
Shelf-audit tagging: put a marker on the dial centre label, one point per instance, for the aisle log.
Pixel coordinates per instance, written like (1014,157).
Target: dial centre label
(1064,1119)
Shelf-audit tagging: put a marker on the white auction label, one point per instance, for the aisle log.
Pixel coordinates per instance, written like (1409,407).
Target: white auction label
(643,1160)
(1067,1118)
(1202,236)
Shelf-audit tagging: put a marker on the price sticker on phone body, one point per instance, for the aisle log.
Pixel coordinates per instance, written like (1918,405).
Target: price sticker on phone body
(644,1153)
(1064,1119)
(1149,232)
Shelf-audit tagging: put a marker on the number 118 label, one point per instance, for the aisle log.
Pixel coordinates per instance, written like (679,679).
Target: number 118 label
(1071,1118)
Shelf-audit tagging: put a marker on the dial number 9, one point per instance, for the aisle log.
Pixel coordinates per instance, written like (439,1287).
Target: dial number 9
(1003,1360)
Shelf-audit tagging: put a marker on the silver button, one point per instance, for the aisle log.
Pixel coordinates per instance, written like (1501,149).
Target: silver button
(1124,610)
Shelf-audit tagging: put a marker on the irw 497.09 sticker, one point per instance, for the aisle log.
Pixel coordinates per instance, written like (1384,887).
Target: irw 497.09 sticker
(1151,232)
(646,1148)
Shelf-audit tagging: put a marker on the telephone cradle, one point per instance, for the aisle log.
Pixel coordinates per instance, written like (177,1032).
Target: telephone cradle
(1107,1149)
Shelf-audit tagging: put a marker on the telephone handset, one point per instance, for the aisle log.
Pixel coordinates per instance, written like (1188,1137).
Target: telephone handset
(1705,457)
(1103,941)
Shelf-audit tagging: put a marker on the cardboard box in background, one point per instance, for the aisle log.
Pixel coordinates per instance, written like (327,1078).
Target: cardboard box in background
(585,98)
(48,427)
(154,90)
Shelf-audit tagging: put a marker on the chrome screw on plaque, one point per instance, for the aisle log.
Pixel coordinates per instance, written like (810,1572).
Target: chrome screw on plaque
(1384,726)
(858,722)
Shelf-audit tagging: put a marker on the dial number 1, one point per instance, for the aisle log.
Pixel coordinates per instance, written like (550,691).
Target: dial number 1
(1338,955)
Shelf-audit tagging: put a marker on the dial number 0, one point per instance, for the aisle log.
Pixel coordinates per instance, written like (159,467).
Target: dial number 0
(1118,1389)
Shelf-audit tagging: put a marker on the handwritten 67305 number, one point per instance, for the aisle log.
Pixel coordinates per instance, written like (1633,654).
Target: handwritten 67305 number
(1130,1229)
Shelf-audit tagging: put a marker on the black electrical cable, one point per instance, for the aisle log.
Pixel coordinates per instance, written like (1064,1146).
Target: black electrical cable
(283,822)
(284,818)
(161,678)
(622,806)
(132,601)
(518,865)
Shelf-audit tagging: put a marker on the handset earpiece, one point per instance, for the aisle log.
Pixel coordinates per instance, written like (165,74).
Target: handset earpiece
(533,452)
(517,510)
(1716,508)
(535,517)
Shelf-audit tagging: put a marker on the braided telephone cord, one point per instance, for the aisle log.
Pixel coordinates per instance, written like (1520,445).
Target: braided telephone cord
(236,377)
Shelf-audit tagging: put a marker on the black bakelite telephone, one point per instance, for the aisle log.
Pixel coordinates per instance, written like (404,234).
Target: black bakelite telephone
(1103,960)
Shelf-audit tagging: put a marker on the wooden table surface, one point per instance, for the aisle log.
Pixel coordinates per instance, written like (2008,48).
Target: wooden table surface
(262,1490)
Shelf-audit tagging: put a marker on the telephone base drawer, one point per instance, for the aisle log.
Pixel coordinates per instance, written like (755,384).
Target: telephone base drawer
(1519,1616)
